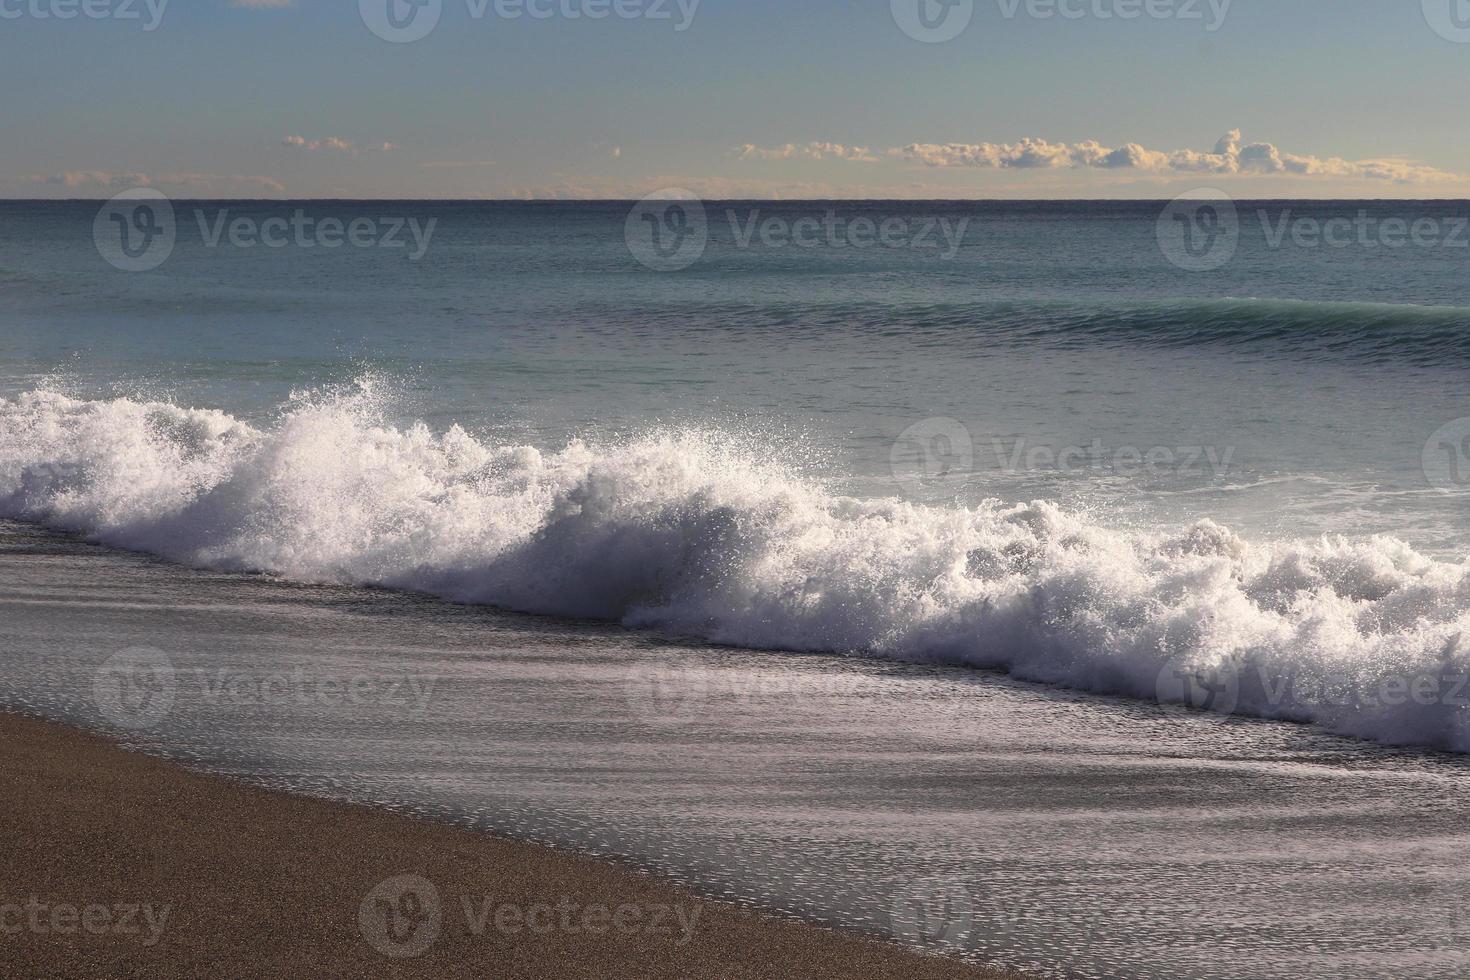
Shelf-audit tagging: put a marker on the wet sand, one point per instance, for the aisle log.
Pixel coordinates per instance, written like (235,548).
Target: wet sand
(951,811)
(123,864)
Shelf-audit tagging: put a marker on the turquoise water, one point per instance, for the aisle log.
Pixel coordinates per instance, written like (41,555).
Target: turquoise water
(1017,436)
(1212,524)
(1053,325)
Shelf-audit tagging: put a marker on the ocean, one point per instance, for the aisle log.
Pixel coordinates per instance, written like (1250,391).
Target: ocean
(1104,561)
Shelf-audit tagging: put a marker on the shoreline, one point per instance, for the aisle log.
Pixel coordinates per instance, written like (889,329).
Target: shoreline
(125,863)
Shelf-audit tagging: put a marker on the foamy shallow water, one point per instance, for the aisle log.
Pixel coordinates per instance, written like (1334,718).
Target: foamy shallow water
(972,814)
(701,533)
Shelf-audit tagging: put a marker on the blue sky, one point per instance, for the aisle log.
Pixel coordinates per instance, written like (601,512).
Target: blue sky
(764,98)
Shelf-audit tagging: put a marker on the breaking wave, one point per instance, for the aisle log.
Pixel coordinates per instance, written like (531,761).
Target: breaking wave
(703,534)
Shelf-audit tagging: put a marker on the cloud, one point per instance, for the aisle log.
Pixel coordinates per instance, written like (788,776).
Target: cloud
(807,151)
(566,187)
(187,182)
(330,143)
(333,143)
(94,178)
(712,188)
(1229,156)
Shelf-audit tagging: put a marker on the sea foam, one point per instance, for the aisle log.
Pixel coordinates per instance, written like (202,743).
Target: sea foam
(702,534)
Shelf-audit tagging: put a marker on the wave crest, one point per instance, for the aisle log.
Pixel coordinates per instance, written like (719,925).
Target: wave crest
(701,533)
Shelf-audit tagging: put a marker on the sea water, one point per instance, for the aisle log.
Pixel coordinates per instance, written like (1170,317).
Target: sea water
(1054,447)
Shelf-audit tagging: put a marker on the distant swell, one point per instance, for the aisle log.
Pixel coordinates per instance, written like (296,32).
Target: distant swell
(698,533)
(1373,332)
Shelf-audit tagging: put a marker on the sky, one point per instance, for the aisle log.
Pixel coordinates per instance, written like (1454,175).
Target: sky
(734,98)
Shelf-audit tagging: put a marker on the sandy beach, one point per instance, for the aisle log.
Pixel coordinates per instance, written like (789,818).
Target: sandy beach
(123,864)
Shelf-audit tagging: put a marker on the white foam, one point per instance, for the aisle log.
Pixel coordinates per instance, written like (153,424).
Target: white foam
(697,532)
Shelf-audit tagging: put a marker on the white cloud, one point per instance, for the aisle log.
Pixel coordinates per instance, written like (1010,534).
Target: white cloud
(330,143)
(807,151)
(567,187)
(336,144)
(456,164)
(208,184)
(1229,156)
